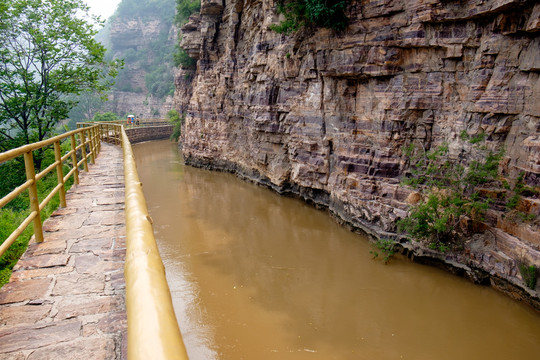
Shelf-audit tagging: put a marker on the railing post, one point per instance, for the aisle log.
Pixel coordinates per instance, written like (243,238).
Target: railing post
(98,131)
(83,150)
(60,173)
(91,145)
(32,192)
(74,158)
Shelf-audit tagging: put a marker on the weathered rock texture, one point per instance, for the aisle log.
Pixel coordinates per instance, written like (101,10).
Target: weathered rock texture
(326,115)
(140,134)
(129,37)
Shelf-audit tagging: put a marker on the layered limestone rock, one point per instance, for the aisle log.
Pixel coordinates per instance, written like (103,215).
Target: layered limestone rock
(327,115)
(129,37)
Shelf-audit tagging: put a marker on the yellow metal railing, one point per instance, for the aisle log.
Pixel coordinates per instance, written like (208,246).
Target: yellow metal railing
(153,331)
(88,139)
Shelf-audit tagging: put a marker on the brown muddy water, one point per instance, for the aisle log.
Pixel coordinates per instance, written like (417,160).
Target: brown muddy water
(255,275)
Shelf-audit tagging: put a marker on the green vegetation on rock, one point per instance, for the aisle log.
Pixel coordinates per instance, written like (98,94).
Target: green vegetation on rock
(529,274)
(184,9)
(387,247)
(177,121)
(300,13)
(106,116)
(448,193)
(182,59)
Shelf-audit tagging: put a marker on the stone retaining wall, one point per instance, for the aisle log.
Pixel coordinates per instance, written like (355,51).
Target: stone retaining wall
(140,134)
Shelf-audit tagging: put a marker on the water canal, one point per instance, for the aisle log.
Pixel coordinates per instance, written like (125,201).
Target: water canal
(258,276)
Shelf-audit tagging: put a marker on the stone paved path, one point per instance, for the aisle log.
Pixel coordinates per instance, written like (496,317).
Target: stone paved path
(65,299)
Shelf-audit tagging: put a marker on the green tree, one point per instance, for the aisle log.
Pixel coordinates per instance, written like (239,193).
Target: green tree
(107,116)
(47,54)
(87,107)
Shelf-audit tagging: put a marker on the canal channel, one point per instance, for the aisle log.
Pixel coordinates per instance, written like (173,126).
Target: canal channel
(255,275)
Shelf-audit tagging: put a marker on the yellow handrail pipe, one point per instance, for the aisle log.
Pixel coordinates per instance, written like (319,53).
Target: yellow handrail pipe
(153,331)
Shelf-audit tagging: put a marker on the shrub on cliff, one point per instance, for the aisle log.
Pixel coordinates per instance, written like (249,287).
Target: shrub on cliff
(176,120)
(182,59)
(449,193)
(184,8)
(299,13)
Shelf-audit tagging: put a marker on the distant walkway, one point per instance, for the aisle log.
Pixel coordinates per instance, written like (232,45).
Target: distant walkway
(65,299)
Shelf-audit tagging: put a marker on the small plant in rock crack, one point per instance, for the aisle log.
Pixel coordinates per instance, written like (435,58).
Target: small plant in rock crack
(386,247)
(529,274)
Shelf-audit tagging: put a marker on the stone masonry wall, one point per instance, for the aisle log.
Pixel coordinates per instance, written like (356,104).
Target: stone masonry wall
(327,115)
(140,134)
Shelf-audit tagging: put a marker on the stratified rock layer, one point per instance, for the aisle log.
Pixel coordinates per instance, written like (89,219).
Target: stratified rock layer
(130,37)
(327,115)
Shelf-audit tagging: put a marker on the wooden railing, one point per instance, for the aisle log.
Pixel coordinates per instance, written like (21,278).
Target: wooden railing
(85,140)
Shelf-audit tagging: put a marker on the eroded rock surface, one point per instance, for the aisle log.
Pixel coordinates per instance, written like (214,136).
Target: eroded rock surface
(327,115)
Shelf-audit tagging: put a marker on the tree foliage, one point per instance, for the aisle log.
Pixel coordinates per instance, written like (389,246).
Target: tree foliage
(176,120)
(47,53)
(182,59)
(449,192)
(299,13)
(107,116)
(184,9)
(87,106)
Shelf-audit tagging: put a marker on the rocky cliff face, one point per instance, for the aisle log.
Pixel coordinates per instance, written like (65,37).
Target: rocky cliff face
(131,39)
(327,115)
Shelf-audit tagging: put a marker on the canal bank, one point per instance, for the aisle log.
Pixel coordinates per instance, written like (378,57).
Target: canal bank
(256,275)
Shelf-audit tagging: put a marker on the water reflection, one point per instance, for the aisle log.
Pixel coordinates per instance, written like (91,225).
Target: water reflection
(259,276)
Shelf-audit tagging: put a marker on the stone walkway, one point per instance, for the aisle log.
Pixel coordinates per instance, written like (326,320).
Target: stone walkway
(65,299)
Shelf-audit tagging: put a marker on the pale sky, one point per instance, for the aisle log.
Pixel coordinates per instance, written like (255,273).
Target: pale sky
(103,8)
